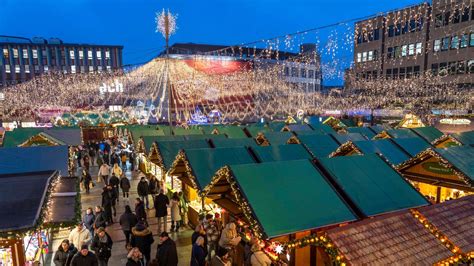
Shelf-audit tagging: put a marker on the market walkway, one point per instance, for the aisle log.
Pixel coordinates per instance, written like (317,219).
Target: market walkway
(119,253)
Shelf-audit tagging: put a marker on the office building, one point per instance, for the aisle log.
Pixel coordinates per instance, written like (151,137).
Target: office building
(22,59)
(436,37)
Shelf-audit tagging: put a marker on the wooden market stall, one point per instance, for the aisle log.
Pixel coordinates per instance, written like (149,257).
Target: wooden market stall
(50,204)
(195,168)
(442,174)
(276,138)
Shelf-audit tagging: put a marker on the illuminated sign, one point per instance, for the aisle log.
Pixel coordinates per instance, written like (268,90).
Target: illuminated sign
(452,121)
(116,87)
(436,168)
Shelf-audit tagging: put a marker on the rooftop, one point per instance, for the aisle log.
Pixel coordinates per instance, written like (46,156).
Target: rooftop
(4,39)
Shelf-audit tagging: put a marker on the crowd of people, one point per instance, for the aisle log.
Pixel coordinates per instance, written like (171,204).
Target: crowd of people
(213,243)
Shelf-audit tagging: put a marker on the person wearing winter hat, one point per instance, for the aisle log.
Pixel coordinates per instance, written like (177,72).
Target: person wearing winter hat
(135,258)
(142,238)
(102,245)
(167,253)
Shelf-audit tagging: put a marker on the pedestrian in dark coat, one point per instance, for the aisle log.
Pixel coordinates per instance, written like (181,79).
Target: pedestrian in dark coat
(102,245)
(84,257)
(64,254)
(86,180)
(167,255)
(142,190)
(161,210)
(87,162)
(125,186)
(142,238)
(114,181)
(198,254)
(107,199)
(140,210)
(100,218)
(128,220)
(88,220)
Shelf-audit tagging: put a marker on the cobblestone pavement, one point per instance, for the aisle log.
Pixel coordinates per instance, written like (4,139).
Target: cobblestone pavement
(119,253)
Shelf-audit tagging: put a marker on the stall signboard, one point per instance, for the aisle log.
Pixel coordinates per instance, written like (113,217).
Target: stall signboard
(437,168)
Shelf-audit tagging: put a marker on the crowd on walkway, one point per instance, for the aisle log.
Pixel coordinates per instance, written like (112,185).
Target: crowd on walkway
(213,243)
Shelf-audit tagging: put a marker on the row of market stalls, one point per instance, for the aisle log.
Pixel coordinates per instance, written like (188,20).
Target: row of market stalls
(289,185)
(37,198)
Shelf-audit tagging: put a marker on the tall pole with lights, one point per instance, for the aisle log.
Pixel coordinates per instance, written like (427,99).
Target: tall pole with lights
(166,25)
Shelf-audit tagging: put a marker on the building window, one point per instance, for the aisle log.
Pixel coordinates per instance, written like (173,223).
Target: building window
(7,69)
(445,45)
(15,53)
(107,54)
(376,34)
(437,45)
(401,73)
(73,69)
(91,69)
(412,25)
(404,50)
(470,66)
(443,69)
(398,29)
(405,28)
(35,53)
(310,74)
(99,68)
(446,18)
(398,51)
(37,69)
(388,74)
(46,69)
(359,57)
(81,54)
(409,72)
(465,14)
(6,54)
(411,49)
(109,68)
(364,56)
(464,40)
(303,73)
(452,68)
(461,67)
(395,73)
(98,54)
(438,20)
(471,41)
(419,24)
(416,70)
(456,16)
(17,69)
(370,56)
(455,42)
(389,52)
(391,31)
(287,71)
(434,69)
(89,54)
(27,68)
(419,48)
(294,72)
(71,54)
(25,53)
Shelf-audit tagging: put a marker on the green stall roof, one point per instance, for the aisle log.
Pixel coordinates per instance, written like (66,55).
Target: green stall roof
(254,130)
(205,136)
(300,127)
(19,135)
(278,138)
(379,128)
(276,126)
(461,157)
(348,122)
(227,143)
(169,149)
(308,133)
(281,153)
(365,131)
(290,196)
(142,131)
(148,140)
(319,145)
(205,162)
(401,133)
(179,131)
(323,128)
(429,134)
(385,147)
(466,138)
(343,138)
(234,132)
(372,184)
(412,146)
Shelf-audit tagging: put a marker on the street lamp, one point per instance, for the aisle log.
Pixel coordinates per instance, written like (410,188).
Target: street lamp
(166,25)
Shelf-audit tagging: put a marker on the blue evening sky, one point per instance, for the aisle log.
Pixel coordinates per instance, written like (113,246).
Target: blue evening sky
(131,22)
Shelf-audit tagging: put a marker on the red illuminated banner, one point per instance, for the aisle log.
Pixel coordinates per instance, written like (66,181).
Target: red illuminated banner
(218,67)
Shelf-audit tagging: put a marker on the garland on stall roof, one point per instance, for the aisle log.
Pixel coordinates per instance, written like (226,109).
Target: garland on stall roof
(322,241)
(459,256)
(181,157)
(344,147)
(445,137)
